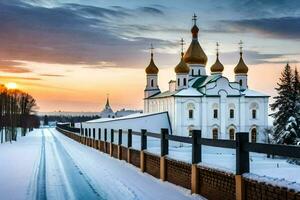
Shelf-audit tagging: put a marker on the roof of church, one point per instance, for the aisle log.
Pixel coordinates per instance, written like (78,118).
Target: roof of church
(197,89)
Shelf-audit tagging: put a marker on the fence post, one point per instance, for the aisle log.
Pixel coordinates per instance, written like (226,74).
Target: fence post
(105,139)
(99,139)
(111,142)
(143,147)
(242,163)
(129,144)
(164,150)
(196,158)
(119,144)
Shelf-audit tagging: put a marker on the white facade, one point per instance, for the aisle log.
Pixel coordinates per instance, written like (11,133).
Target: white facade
(211,103)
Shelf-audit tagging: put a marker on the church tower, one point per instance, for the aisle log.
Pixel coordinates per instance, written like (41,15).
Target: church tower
(182,72)
(195,56)
(217,68)
(151,76)
(241,71)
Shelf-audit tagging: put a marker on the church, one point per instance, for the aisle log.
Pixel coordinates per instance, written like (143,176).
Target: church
(207,102)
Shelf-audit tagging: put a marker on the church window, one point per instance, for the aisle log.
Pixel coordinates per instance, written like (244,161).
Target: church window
(241,82)
(108,116)
(94,133)
(99,133)
(192,72)
(231,113)
(89,132)
(86,132)
(191,114)
(215,113)
(178,82)
(199,72)
(253,135)
(184,81)
(152,84)
(254,114)
(215,133)
(231,134)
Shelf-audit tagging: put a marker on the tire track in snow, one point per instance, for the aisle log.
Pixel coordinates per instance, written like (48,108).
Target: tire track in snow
(79,183)
(41,178)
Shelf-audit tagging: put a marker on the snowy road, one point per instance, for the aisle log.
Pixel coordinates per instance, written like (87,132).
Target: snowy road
(60,168)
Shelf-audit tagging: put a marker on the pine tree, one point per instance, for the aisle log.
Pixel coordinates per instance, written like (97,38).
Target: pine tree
(296,89)
(284,104)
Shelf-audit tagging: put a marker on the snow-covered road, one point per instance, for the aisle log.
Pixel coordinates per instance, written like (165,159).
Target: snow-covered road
(59,168)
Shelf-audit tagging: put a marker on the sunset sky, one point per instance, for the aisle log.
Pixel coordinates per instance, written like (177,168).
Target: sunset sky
(69,54)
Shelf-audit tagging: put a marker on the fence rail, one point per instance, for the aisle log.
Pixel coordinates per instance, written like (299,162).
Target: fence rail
(241,144)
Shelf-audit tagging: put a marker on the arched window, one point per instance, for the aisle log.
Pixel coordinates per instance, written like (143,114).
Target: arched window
(215,115)
(192,72)
(254,114)
(199,72)
(184,81)
(89,132)
(253,135)
(231,133)
(215,133)
(178,82)
(231,113)
(94,133)
(241,82)
(191,114)
(152,83)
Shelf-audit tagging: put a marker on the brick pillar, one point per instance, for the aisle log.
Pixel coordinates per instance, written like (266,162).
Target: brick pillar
(163,168)
(239,187)
(195,179)
(142,161)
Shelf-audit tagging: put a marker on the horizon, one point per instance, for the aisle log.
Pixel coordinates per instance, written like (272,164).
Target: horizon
(68,54)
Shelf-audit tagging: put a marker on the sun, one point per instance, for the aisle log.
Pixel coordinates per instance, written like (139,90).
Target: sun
(11,85)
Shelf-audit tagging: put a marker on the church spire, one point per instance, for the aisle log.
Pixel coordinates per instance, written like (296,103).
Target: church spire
(107,101)
(152,68)
(217,67)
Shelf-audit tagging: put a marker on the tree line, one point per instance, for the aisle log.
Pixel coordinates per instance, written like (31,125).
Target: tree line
(286,108)
(17,110)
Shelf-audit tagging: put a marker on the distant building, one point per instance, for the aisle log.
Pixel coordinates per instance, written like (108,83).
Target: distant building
(107,111)
(123,112)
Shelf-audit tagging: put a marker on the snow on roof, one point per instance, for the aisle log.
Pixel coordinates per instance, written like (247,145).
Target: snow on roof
(164,94)
(252,93)
(189,92)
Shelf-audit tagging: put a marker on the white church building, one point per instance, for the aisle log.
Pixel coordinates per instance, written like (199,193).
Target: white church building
(207,101)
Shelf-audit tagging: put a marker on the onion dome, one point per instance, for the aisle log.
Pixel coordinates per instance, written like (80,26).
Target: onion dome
(182,67)
(152,68)
(218,66)
(195,54)
(241,67)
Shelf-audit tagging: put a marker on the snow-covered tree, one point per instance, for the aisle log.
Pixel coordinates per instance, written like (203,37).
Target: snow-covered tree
(289,135)
(296,89)
(284,103)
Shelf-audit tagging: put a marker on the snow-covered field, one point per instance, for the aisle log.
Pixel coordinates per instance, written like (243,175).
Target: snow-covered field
(47,164)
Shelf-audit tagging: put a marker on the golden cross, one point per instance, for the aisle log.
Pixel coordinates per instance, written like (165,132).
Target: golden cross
(217,44)
(151,48)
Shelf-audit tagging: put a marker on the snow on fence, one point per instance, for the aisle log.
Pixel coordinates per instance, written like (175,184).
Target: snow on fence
(204,180)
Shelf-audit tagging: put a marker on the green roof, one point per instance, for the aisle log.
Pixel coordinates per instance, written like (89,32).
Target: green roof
(203,80)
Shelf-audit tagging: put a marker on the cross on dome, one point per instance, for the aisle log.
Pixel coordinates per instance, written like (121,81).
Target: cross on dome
(194,18)
(217,49)
(182,43)
(241,46)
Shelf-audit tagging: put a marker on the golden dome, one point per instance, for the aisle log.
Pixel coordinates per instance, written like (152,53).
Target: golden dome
(151,69)
(241,67)
(218,66)
(195,54)
(182,67)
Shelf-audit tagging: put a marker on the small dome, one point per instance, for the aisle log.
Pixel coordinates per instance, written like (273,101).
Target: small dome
(152,68)
(241,67)
(182,67)
(217,66)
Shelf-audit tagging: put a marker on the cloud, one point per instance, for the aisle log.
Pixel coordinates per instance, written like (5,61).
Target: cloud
(69,34)
(285,27)
(52,75)
(20,78)
(253,57)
